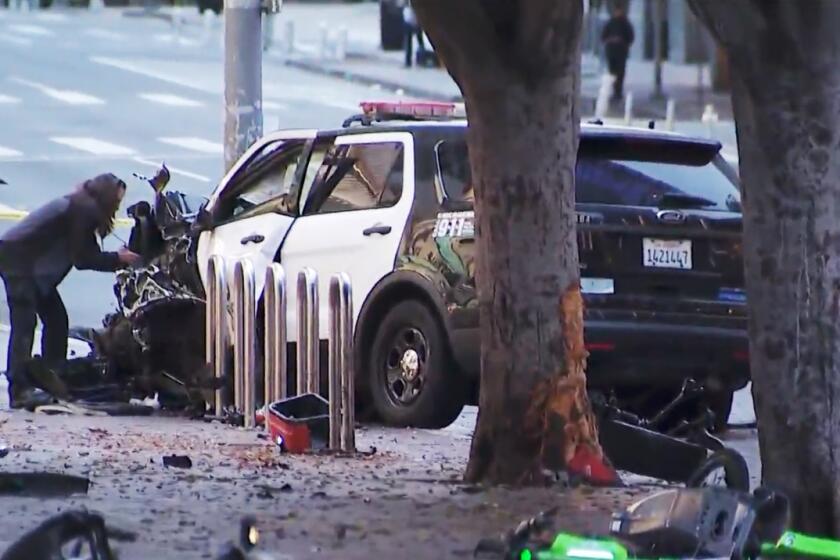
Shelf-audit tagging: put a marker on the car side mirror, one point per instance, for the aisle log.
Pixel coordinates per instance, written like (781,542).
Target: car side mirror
(204,219)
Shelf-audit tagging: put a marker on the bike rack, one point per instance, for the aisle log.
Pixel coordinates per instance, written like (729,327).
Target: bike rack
(342,398)
(244,364)
(216,324)
(308,351)
(340,336)
(276,337)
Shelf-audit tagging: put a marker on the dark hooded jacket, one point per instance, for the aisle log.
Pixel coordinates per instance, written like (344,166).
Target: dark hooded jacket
(59,235)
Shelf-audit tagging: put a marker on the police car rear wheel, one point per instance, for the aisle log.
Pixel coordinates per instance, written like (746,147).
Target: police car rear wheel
(412,380)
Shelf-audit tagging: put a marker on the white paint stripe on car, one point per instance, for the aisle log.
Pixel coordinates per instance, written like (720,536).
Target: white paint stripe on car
(195,144)
(170,99)
(92,145)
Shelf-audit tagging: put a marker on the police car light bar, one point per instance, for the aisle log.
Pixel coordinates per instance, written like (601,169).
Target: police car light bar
(413,109)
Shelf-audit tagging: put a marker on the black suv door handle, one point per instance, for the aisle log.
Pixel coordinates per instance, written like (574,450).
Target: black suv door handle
(380,229)
(253,238)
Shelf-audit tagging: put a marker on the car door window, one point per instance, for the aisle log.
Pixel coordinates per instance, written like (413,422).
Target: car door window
(264,184)
(358,177)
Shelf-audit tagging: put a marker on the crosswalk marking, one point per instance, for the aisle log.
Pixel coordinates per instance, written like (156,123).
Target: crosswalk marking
(195,144)
(174,170)
(50,17)
(21,41)
(104,34)
(30,30)
(169,99)
(92,145)
(274,106)
(8,99)
(64,95)
(8,153)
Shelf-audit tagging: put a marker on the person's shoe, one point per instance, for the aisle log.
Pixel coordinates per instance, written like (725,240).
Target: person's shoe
(29,399)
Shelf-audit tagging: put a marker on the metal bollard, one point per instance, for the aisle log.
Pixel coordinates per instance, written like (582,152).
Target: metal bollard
(289,38)
(308,351)
(244,307)
(341,44)
(216,323)
(670,114)
(275,335)
(348,398)
(628,108)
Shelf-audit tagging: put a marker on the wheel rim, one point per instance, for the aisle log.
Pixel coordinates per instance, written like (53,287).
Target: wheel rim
(405,366)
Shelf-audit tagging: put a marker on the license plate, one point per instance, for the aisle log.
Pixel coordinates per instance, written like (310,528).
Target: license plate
(666,253)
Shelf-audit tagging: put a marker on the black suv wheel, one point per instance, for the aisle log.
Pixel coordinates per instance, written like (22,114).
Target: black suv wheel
(412,380)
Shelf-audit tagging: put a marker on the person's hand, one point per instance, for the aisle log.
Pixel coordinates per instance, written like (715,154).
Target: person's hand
(128,257)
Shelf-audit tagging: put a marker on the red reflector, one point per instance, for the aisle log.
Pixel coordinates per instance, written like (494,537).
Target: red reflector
(600,346)
(742,355)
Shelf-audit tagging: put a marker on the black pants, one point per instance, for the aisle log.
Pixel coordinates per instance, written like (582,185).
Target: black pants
(617,64)
(27,302)
(410,33)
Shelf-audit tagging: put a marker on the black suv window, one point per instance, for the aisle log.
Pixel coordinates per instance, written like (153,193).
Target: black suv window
(640,180)
(358,177)
(264,183)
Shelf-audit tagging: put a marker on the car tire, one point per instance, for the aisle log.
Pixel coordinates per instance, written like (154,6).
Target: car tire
(721,406)
(736,474)
(411,377)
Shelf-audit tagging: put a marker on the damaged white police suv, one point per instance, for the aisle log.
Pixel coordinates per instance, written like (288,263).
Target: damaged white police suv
(387,199)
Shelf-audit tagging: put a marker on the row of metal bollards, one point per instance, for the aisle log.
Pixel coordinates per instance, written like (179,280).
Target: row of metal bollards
(341,386)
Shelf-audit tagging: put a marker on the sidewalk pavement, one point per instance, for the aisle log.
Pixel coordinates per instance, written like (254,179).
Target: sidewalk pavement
(316,29)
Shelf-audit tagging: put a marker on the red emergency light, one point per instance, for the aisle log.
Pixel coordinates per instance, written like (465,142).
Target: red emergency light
(413,109)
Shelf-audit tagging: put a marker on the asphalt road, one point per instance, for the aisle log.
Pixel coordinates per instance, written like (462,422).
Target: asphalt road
(83,93)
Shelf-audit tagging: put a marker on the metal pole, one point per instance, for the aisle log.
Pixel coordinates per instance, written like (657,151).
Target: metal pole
(216,322)
(275,334)
(670,114)
(335,379)
(244,346)
(658,19)
(348,400)
(308,351)
(243,77)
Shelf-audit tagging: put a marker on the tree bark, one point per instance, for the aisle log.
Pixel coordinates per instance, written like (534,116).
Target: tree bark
(518,66)
(787,111)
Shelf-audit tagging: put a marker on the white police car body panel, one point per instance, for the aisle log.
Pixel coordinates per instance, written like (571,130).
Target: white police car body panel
(362,240)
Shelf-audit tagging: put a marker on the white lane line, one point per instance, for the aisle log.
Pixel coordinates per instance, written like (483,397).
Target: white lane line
(50,17)
(34,30)
(174,170)
(195,144)
(100,33)
(8,153)
(64,95)
(8,99)
(151,73)
(274,106)
(20,41)
(92,145)
(169,99)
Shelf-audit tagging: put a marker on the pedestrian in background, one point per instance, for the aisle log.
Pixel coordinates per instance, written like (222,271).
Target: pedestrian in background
(412,29)
(35,257)
(617,37)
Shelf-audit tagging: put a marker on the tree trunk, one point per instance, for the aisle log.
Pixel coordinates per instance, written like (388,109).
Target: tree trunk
(534,414)
(787,110)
